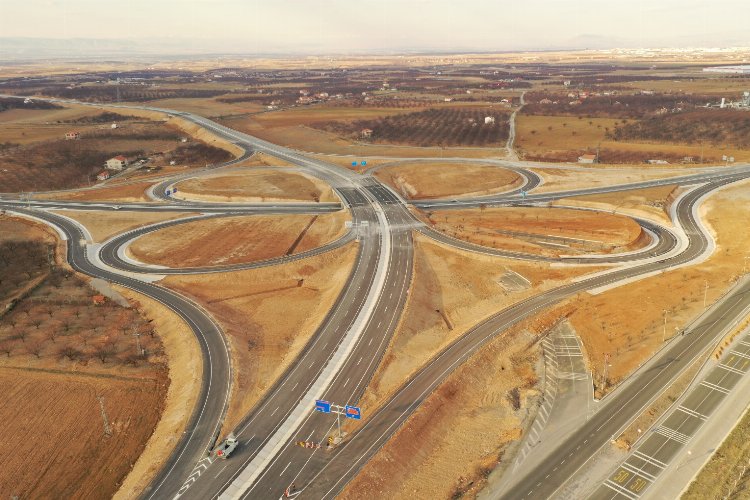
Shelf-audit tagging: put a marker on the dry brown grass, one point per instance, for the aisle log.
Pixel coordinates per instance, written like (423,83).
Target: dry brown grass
(464,286)
(256,185)
(127,192)
(628,322)
(556,136)
(253,307)
(586,231)
(444,179)
(447,448)
(231,240)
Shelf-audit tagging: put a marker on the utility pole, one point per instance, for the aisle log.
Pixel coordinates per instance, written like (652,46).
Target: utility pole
(606,370)
(664,335)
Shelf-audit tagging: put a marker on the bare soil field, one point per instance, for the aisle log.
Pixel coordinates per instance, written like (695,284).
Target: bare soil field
(256,185)
(134,192)
(559,179)
(543,231)
(103,225)
(55,340)
(631,334)
(230,240)
(447,448)
(650,203)
(207,106)
(62,447)
(253,308)
(452,290)
(444,179)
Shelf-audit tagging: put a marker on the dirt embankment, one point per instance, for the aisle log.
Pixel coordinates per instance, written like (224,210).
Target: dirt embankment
(135,191)
(231,240)
(628,322)
(541,231)
(253,307)
(424,180)
(256,186)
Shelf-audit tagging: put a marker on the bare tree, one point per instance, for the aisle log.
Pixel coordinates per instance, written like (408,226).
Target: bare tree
(35,348)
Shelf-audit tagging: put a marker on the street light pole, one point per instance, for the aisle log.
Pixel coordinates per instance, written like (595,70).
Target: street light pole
(664,334)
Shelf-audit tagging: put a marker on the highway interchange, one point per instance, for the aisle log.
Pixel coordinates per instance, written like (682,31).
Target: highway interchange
(342,355)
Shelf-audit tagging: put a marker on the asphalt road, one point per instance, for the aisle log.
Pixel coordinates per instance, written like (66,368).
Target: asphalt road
(652,456)
(324,474)
(342,465)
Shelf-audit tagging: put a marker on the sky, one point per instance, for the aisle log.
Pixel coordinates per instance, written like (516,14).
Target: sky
(349,26)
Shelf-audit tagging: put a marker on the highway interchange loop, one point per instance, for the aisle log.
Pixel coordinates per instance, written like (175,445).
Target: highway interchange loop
(341,357)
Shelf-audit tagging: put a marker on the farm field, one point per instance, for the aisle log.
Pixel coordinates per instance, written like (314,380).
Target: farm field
(424,180)
(55,339)
(231,240)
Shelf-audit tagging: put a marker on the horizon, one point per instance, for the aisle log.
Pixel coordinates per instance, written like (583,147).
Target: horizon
(370,28)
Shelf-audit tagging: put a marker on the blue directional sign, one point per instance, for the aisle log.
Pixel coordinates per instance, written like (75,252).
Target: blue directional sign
(353,412)
(174,189)
(322,406)
(354,164)
(523,194)
(167,192)
(363,163)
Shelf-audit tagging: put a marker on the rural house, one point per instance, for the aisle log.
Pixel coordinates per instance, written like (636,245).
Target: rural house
(102,176)
(71,136)
(587,159)
(119,162)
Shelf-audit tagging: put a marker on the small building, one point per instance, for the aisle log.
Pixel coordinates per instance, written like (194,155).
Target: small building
(102,176)
(98,300)
(447,99)
(119,162)
(114,125)
(489,119)
(72,136)
(545,101)
(587,158)
(657,162)
(366,133)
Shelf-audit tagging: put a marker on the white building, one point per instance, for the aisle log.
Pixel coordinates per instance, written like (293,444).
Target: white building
(117,163)
(489,119)
(587,159)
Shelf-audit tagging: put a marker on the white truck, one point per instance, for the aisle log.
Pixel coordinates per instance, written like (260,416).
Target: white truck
(226,447)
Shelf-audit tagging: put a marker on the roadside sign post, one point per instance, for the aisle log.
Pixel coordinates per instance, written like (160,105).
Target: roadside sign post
(348,411)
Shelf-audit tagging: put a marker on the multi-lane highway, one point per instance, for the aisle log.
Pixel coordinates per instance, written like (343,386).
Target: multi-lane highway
(342,355)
